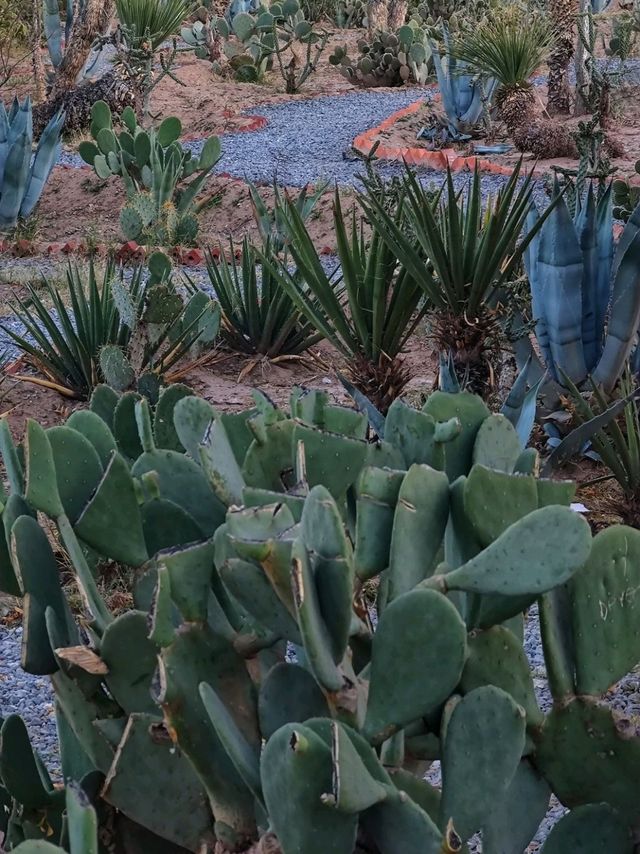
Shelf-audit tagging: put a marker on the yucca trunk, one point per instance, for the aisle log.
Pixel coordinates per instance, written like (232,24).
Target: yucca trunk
(382,381)
(544,139)
(475,345)
(386,15)
(563,15)
(92,22)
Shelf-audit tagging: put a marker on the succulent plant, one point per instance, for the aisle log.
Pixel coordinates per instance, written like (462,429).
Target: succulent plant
(23,175)
(251,531)
(465,97)
(391,59)
(578,281)
(255,39)
(626,196)
(161,207)
(56,34)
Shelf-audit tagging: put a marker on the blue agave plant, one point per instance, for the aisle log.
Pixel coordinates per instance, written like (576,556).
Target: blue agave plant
(585,292)
(22,175)
(463,95)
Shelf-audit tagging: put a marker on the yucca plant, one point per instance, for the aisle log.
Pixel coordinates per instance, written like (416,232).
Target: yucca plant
(151,21)
(65,343)
(259,317)
(366,308)
(461,253)
(509,47)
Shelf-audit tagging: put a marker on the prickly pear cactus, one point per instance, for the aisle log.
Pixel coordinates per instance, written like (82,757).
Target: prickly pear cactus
(161,178)
(253,690)
(391,59)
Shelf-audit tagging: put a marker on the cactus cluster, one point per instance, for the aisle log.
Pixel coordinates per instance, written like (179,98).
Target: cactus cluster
(23,174)
(390,59)
(187,722)
(161,208)
(253,42)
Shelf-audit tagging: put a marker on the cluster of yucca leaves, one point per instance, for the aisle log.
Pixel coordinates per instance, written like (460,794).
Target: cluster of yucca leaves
(401,255)
(65,342)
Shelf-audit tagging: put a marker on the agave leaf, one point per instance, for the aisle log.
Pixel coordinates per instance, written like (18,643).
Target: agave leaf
(560,274)
(623,319)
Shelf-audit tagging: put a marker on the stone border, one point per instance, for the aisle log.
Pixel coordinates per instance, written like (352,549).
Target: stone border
(445,157)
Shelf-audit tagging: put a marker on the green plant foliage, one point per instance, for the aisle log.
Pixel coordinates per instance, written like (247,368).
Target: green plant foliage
(258,316)
(576,275)
(367,312)
(114,330)
(259,536)
(162,205)
(254,40)
(24,174)
(390,59)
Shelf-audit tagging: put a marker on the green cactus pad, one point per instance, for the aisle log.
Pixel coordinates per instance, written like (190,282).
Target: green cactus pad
(245,756)
(323,535)
(589,829)
(41,483)
(609,752)
(197,655)
(183,482)
(482,748)
(82,821)
(514,820)
(419,525)
(493,500)
(81,712)
(296,773)
(78,469)
(39,578)
(248,584)
(289,694)
(535,554)
(605,611)
(313,629)
(496,657)
(164,429)
(190,570)
(399,824)
(125,427)
(267,461)
(413,432)
(103,402)
(461,542)
(419,632)
(220,465)
(177,810)
(129,677)
(333,461)
(377,492)
(497,445)
(191,419)
(93,428)
(166,525)
(555,492)
(114,507)
(21,770)
(471,412)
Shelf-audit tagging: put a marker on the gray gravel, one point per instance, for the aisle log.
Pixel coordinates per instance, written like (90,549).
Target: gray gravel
(28,696)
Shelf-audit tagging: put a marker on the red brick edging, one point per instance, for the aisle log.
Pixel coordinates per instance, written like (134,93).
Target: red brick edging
(364,142)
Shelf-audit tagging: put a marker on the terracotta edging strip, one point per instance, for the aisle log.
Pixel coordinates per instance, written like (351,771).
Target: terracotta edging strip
(364,142)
